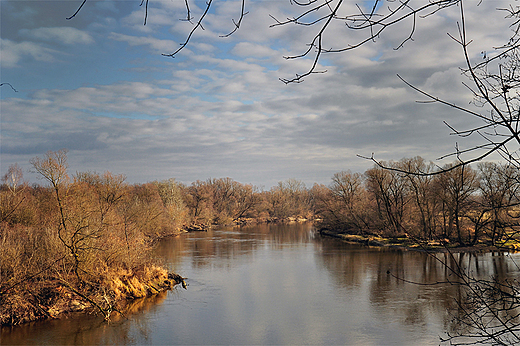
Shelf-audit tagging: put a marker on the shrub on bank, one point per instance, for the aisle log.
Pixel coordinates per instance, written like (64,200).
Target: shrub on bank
(81,243)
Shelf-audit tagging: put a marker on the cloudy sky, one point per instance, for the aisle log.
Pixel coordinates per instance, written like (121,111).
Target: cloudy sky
(98,86)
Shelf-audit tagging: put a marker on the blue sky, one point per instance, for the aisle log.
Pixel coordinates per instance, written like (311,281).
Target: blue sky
(98,85)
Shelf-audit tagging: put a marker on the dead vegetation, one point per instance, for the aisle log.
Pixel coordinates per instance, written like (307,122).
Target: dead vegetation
(81,244)
(459,207)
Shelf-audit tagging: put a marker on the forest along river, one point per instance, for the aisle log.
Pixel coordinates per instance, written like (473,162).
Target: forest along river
(280,284)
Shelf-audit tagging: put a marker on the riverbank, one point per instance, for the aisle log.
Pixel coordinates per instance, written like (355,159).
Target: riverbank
(200,227)
(279,278)
(56,298)
(406,243)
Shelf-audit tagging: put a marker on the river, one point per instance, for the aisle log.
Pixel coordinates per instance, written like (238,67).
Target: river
(283,285)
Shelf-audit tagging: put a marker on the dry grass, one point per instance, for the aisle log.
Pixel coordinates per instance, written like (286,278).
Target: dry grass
(54,298)
(139,283)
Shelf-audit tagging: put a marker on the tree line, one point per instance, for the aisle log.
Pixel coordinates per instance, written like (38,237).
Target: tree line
(454,203)
(157,208)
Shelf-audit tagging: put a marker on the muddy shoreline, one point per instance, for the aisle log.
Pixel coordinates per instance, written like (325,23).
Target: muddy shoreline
(55,298)
(408,244)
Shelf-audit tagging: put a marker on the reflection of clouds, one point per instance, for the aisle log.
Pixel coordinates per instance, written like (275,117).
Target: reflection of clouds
(261,299)
(275,302)
(272,292)
(229,245)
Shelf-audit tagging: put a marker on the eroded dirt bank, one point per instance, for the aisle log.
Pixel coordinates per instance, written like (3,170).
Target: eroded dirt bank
(54,297)
(406,243)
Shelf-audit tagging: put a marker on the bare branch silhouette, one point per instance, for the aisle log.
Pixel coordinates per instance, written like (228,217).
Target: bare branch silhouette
(195,28)
(9,84)
(239,22)
(77,11)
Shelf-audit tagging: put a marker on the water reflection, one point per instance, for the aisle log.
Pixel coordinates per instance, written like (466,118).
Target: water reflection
(227,244)
(285,284)
(82,329)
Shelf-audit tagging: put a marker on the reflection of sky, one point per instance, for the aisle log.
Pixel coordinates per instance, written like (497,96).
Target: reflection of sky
(287,293)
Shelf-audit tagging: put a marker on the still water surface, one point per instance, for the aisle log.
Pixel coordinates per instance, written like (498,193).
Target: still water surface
(281,284)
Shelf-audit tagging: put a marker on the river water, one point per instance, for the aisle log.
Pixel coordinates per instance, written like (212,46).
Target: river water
(281,284)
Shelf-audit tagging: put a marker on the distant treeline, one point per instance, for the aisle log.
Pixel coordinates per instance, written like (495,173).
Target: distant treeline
(154,209)
(460,205)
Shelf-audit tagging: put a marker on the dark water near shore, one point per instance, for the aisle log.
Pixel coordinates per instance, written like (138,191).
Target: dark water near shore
(281,284)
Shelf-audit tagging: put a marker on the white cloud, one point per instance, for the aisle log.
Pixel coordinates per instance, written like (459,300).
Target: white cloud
(248,49)
(158,46)
(12,52)
(63,35)
(220,109)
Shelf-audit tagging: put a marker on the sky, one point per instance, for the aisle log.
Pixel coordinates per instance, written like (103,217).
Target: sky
(99,86)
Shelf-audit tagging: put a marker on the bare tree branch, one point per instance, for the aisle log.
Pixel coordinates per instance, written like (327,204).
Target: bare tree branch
(145,9)
(239,22)
(9,84)
(77,11)
(197,26)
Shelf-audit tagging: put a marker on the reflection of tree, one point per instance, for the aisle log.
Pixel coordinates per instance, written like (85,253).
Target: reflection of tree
(227,243)
(415,286)
(488,310)
(89,330)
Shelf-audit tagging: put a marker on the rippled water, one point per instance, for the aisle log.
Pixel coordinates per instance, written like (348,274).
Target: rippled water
(281,284)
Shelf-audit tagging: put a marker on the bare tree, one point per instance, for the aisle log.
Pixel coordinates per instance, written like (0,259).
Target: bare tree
(494,83)
(11,201)
(245,200)
(198,198)
(289,198)
(392,194)
(348,188)
(499,187)
(53,168)
(171,195)
(456,188)
(13,178)
(423,192)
